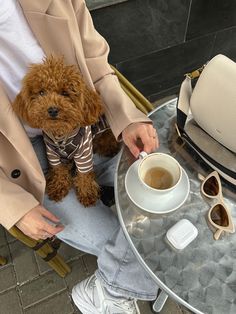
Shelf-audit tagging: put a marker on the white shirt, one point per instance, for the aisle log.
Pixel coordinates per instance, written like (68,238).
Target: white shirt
(18,49)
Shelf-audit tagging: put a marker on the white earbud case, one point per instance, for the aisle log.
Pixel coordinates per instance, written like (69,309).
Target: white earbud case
(181,234)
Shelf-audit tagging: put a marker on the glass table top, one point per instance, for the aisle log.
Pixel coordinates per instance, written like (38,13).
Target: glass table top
(203,275)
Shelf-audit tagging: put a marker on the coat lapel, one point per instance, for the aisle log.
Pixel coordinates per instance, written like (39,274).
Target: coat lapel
(52,32)
(32,5)
(56,29)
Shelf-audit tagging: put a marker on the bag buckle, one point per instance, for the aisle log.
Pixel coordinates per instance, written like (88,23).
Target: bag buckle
(196,73)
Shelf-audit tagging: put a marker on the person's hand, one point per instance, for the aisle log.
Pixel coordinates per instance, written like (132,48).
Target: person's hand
(143,131)
(34,225)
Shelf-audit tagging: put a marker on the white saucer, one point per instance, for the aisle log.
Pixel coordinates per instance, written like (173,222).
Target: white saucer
(159,204)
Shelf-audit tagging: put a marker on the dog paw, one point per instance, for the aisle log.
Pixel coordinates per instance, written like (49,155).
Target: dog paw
(87,200)
(87,189)
(58,184)
(89,197)
(56,193)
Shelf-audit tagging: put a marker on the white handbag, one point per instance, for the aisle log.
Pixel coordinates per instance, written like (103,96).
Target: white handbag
(206,114)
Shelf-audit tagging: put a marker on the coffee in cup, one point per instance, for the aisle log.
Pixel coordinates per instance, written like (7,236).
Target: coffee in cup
(158,178)
(159,172)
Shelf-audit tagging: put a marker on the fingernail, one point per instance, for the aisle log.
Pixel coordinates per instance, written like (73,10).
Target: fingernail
(60,226)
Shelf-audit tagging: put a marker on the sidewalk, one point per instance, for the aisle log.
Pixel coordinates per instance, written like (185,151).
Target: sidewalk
(28,285)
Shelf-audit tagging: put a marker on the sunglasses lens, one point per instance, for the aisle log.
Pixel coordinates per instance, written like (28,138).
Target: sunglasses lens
(219,216)
(211,186)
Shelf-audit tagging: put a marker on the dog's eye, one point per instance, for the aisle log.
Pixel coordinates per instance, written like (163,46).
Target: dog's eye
(42,92)
(64,93)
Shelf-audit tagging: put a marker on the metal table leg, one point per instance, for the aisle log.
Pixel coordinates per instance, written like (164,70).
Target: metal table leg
(160,302)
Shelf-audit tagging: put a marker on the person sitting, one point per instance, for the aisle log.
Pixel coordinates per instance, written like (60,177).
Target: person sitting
(29,31)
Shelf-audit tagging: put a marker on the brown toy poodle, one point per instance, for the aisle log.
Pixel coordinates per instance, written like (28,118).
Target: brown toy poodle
(55,98)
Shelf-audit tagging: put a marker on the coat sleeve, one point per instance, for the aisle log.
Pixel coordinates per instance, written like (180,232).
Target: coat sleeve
(15,202)
(119,109)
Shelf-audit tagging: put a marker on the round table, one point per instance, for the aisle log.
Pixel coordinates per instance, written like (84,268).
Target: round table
(202,276)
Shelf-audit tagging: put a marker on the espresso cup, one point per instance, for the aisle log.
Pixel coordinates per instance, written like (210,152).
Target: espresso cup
(159,172)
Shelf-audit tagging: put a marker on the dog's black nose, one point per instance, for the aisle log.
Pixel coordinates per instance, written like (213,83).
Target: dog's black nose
(53,112)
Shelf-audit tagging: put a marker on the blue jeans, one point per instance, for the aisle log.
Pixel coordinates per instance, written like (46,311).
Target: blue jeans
(96,230)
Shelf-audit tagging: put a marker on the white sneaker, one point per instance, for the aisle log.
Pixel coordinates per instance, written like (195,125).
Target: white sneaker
(91,298)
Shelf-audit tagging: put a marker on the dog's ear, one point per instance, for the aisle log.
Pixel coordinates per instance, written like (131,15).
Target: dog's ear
(19,107)
(93,106)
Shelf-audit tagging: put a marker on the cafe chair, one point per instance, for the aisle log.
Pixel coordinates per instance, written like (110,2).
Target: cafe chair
(138,99)
(47,249)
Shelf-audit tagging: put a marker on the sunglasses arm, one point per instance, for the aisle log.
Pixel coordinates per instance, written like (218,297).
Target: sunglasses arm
(201,177)
(217,234)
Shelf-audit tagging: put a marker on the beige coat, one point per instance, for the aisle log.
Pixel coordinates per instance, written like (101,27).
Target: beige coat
(62,27)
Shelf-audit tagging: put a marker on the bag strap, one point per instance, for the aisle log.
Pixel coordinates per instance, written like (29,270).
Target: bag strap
(196,73)
(185,93)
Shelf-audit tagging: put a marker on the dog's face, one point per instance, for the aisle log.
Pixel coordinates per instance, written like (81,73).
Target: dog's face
(55,98)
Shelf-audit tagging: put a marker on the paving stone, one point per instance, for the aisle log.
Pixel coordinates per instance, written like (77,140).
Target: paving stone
(41,288)
(58,304)
(7,278)
(171,307)
(78,273)
(77,311)
(10,303)
(3,239)
(184,310)
(42,265)
(9,237)
(5,252)
(144,307)
(24,262)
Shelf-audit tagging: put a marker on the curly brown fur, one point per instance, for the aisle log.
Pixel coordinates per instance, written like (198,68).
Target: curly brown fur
(105,144)
(86,188)
(58,182)
(53,84)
